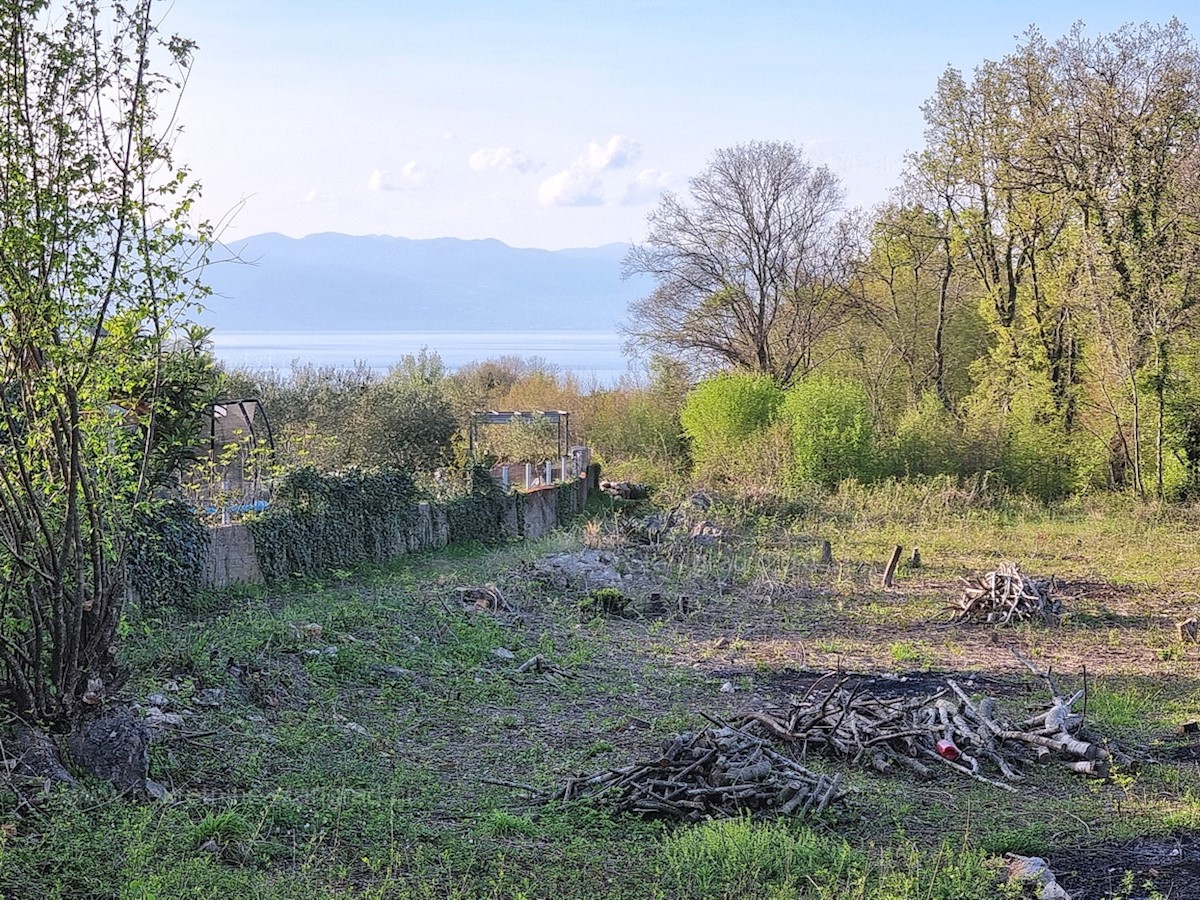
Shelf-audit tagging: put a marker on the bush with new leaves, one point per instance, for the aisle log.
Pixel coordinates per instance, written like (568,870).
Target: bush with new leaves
(723,413)
(832,430)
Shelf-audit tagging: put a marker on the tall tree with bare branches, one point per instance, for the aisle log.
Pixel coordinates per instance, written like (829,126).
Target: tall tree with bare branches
(749,266)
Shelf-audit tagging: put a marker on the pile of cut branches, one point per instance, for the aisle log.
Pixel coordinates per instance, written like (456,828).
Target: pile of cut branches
(1006,596)
(721,771)
(946,728)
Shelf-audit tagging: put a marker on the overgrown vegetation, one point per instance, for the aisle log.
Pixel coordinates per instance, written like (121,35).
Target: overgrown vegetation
(101,375)
(343,736)
(320,522)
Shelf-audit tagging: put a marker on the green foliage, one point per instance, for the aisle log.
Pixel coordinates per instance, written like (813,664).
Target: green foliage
(168,554)
(477,513)
(320,522)
(928,441)
(832,430)
(406,421)
(102,375)
(722,412)
(332,419)
(530,439)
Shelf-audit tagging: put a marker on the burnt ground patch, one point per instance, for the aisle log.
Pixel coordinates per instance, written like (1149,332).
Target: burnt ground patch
(790,681)
(1169,866)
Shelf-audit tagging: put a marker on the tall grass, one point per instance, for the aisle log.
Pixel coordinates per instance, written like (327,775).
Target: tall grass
(739,858)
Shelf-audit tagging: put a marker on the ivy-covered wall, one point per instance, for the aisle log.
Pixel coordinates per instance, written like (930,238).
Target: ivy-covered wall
(318,523)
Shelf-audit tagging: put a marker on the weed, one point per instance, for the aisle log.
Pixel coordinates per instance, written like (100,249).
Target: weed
(907,653)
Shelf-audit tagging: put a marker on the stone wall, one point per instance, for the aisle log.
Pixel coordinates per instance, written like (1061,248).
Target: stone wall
(232,560)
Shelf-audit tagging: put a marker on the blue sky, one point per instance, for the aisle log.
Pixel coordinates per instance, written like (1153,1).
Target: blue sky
(557,124)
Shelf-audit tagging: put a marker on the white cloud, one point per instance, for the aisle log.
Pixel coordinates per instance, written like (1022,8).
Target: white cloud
(313,196)
(411,176)
(616,153)
(647,187)
(501,159)
(571,187)
(581,185)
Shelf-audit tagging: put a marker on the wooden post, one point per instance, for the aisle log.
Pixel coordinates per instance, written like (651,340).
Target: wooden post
(826,554)
(890,572)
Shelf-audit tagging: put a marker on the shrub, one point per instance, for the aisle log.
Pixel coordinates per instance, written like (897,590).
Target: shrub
(832,430)
(928,441)
(723,412)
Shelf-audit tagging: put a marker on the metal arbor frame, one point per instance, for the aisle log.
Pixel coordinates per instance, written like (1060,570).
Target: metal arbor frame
(493,417)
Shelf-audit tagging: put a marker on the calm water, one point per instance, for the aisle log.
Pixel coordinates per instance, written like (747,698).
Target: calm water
(591,355)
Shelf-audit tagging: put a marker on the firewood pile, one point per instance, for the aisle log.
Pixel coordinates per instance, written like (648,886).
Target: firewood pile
(721,771)
(1006,596)
(945,728)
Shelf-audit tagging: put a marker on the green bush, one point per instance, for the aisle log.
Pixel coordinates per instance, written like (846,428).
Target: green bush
(928,441)
(721,413)
(832,431)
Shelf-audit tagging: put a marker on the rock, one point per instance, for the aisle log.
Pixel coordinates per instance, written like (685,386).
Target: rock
(157,791)
(209,697)
(395,671)
(210,846)
(115,749)
(702,501)
(40,758)
(156,718)
(706,533)
(728,688)
(356,728)
(503,653)
(625,490)
(1035,870)
(330,651)
(162,701)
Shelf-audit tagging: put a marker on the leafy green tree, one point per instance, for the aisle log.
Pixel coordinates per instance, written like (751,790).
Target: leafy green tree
(97,257)
(405,421)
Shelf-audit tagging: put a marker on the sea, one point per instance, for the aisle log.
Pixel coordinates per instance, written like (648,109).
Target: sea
(595,358)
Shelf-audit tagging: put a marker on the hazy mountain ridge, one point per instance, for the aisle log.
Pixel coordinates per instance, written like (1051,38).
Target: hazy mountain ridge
(342,282)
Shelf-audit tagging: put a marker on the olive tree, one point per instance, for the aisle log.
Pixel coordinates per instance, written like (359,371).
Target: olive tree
(749,268)
(100,379)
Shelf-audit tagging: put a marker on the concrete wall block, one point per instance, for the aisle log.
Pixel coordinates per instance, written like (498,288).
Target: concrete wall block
(440,528)
(510,527)
(231,557)
(541,511)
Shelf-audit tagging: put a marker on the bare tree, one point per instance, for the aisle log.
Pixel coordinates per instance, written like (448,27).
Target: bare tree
(749,267)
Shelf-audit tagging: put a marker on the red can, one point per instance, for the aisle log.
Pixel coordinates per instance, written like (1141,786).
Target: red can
(947,749)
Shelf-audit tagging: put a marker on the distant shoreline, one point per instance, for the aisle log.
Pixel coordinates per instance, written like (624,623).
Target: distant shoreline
(586,354)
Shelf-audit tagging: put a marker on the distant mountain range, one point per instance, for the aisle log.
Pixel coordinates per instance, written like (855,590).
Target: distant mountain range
(335,282)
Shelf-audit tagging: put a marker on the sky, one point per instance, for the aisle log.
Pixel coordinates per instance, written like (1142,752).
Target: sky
(559,124)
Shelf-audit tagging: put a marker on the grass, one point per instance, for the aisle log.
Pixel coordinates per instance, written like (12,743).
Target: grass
(365,719)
